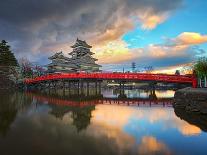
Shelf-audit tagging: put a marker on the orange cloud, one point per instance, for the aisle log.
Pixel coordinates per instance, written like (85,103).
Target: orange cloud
(114,52)
(190,38)
(151,21)
(118,51)
(161,51)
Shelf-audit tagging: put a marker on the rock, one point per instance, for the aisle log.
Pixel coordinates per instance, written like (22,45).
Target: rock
(204,111)
(192,100)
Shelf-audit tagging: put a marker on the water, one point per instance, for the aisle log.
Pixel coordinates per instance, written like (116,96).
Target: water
(138,122)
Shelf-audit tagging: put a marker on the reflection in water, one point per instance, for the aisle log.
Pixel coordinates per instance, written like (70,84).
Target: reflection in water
(8,112)
(81,116)
(10,104)
(65,123)
(150,145)
(193,118)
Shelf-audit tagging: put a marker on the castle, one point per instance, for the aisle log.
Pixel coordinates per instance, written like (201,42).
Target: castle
(80,60)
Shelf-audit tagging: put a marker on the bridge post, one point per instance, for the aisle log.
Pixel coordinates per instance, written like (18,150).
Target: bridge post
(87,88)
(49,86)
(96,87)
(55,84)
(78,87)
(69,86)
(194,83)
(99,87)
(63,81)
(81,86)
(121,88)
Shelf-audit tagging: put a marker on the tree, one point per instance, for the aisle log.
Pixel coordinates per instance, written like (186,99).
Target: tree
(38,70)
(187,69)
(26,67)
(148,69)
(177,72)
(7,58)
(200,69)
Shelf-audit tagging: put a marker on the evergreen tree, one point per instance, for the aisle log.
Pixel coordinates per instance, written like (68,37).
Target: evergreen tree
(7,58)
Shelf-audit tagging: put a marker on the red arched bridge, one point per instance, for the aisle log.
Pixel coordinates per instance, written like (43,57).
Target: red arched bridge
(116,76)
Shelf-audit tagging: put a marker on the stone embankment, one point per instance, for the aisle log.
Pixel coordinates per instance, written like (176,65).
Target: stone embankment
(191,100)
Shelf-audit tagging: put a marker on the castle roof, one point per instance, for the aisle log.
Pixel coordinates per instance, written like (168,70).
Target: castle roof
(63,65)
(57,55)
(81,43)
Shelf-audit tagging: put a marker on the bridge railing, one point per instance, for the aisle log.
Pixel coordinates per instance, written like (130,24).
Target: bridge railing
(114,76)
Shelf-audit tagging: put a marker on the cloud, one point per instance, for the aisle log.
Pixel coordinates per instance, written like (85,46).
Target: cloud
(40,26)
(180,50)
(114,33)
(190,38)
(150,22)
(113,52)
(184,68)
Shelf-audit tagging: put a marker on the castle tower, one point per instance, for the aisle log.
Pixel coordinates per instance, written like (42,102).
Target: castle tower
(82,56)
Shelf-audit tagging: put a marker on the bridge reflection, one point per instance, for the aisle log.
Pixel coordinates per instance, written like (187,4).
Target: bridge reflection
(76,100)
(80,107)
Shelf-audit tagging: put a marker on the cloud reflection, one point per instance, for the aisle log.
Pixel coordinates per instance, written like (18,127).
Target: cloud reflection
(150,145)
(122,117)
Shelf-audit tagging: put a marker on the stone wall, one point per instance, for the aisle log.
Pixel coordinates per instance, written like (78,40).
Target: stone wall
(192,100)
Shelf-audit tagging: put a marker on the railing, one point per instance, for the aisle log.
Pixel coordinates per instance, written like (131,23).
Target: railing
(202,82)
(116,76)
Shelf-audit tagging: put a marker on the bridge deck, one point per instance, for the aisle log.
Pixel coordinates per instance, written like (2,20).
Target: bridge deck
(116,76)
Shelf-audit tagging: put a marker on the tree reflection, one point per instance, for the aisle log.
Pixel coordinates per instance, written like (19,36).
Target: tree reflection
(81,115)
(59,111)
(10,103)
(8,114)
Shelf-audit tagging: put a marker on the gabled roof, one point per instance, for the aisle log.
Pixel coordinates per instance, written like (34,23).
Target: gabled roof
(81,43)
(58,55)
(91,53)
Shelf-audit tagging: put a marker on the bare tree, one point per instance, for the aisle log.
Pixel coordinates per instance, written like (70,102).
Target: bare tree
(26,67)
(148,69)
(187,69)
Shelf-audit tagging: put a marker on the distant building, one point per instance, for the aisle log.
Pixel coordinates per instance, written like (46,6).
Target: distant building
(80,60)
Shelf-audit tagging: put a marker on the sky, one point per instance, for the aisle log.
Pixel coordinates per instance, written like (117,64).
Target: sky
(164,34)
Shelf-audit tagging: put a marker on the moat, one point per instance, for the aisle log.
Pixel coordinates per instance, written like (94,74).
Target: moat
(107,121)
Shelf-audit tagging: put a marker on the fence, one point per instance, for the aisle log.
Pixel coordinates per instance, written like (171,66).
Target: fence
(202,82)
